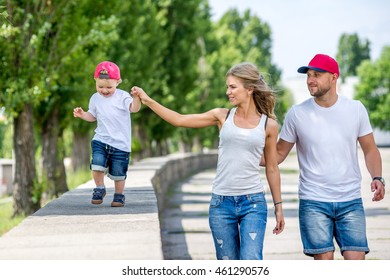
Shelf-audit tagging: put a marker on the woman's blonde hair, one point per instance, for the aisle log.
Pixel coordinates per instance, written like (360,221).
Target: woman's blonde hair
(263,95)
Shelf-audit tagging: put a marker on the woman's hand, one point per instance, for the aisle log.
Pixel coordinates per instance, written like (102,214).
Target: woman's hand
(279,219)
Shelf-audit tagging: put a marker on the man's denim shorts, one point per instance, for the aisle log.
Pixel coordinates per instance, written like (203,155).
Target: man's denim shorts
(320,222)
(110,160)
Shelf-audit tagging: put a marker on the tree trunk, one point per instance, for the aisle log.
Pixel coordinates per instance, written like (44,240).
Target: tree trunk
(140,133)
(161,148)
(80,151)
(196,145)
(26,199)
(53,168)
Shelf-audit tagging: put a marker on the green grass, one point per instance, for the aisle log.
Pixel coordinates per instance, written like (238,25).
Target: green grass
(78,177)
(7,222)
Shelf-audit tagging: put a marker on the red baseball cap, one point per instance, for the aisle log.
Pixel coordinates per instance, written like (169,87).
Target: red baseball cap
(321,63)
(107,70)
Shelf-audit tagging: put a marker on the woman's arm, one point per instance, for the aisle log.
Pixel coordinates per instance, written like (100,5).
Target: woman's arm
(272,172)
(210,118)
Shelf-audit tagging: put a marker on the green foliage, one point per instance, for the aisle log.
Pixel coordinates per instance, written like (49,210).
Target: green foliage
(6,145)
(171,48)
(373,89)
(236,38)
(351,52)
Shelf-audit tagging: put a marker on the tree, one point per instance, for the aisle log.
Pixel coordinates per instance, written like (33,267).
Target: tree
(189,24)
(44,48)
(373,89)
(351,52)
(140,52)
(21,90)
(160,53)
(237,38)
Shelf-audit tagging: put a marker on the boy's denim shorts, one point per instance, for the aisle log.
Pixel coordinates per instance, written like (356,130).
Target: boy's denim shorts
(110,160)
(320,222)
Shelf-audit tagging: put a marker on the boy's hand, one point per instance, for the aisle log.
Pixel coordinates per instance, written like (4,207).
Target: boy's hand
(78,112)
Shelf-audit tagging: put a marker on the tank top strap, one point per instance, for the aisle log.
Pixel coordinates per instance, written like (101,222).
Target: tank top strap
(231,114)
(263,121)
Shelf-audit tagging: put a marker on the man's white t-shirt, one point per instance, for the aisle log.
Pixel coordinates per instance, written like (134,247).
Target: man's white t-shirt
(113,119)
(326,141)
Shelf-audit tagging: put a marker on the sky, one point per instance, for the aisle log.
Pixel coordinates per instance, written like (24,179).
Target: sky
(302,28)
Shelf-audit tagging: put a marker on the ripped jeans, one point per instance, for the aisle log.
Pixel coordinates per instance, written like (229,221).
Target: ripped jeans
(238,226)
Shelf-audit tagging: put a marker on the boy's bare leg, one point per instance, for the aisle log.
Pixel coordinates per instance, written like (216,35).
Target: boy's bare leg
(120,186)
(98,177)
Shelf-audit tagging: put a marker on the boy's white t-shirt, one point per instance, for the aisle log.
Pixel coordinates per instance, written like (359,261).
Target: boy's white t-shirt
(113,119)
(326,142)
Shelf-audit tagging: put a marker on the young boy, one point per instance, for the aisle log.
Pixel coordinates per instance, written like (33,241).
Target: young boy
(111,144)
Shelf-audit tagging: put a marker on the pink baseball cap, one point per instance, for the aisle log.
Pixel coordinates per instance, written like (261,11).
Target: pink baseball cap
(321,63)
(107,70)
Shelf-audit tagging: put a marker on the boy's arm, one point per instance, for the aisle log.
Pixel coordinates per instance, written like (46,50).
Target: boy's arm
(80,113)
(135,106)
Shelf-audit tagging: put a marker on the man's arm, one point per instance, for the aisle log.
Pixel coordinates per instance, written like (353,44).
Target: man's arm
(373,161)
(283,148)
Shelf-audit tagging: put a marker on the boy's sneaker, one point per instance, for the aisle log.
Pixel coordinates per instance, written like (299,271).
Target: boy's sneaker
(118,201)
(97,196)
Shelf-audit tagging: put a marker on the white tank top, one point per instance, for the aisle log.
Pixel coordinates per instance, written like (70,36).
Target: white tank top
(239,154)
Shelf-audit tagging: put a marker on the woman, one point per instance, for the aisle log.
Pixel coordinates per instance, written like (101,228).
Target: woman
(238,209)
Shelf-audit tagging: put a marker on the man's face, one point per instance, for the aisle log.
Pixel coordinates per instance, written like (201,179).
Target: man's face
(319,83)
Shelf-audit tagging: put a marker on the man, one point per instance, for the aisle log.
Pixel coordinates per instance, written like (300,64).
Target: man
(326,129)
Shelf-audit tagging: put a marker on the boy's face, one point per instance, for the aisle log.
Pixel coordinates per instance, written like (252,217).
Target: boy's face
(106,87)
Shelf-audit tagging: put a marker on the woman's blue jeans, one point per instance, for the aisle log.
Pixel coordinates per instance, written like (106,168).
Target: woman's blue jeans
(238,226)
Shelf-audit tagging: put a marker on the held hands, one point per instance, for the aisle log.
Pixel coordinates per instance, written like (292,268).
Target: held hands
(139,92)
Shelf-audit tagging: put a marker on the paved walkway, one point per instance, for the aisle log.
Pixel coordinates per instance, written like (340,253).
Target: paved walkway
(186,233)
(71,228)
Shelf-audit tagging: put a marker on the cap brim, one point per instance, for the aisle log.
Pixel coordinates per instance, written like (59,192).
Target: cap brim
(304,69)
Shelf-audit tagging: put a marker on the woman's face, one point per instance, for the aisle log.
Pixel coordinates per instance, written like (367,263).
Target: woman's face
(235,91)
(106,87)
